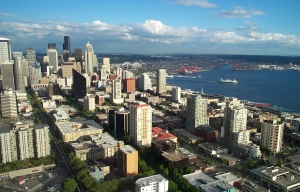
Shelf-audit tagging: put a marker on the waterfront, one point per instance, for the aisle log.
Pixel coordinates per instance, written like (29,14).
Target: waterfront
(280,88)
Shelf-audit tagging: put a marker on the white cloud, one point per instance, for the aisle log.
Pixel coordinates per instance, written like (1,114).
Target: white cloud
(198,3)
(239,12)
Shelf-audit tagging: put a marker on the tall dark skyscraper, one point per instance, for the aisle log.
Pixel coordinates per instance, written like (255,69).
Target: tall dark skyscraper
(79,87)
(51,45)
(66,45)
(78,55)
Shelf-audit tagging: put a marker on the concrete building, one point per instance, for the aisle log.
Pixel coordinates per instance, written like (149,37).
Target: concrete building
(207,133)
(272,136)
(67,69)
(20,141)
(81,84)
(154,183)
(35,74)
(127,74)
(7,72)
(17,54)
(30,56)
(280,180)
(106,62)
(5,50)
(128,161)
(176,93)
(198,178)
(144,82)
(89,103)
(196,112)
(141,124)
(117,91)
(25,71)
(103,73)
(212,148)
(9,103)
(18,74)
(161,81)
(73,130)
(53,58)
(217,186)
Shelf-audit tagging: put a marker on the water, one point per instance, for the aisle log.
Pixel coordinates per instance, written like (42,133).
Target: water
(279,88)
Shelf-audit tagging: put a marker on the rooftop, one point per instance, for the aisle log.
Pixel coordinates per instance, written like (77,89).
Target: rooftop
(228,177)
(216,186)
(198,178)
(147,180)
(211,146)
(78,126)
(176,156)
(127,149)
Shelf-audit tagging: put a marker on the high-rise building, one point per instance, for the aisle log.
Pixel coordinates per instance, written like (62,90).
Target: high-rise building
(5,50)
(35,74)
(272,136)
(22,141)
(66,45)
(51,45)
(7,71)
(17,54)
(117,91)
(127,74)
(18,74)
(78,55)
(141,124)
(65,56)
(25,71)
(121,122)
(196,112)
(90,59)
(161,81)
(80,85)
(30,56)
(53,58)
(129,85)
(106,62)
(89,103)
(128,161)
(144,82)
(53,89)
(67,69)
(9,103)
(176,93)
(103,74)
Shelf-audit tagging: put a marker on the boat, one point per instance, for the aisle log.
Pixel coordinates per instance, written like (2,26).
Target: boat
(170,76)
(228,81)
(199,76)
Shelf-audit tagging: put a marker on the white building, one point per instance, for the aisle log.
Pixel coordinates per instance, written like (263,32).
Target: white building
(176,93)
(9,103)
(5,50)
(117,91)
(53,58)
(196,112)
(127,74)
(89,103)
(144,82)
(90,59)
(103,73)
(154,183)
(141,123)
(106,62)
(161,81)
(30,56)
(272,136)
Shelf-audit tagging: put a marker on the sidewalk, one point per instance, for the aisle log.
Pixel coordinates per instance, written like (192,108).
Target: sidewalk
(41,185)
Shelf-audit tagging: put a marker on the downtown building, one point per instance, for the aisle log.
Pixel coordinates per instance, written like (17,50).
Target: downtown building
(117,91)
(272,136)
(9,103)
(144,82)
(81,84)
(22,141)
(90,59)
(7,72)
(53,59)
(30,56)
(106,62)
(5,50)
(154,183)
(196,112)
(161,81)
(128,161)
(141,124)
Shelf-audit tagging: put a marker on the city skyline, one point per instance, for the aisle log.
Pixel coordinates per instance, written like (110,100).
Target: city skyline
(156,27)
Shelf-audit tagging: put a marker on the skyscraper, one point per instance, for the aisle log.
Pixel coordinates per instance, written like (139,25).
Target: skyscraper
(66,45)
(30,56)
(35,74)
(106,62)
(18,74)
(7,71)
(129,85)
(5,50)
(51,45)
(196,112)
(117,91)
(161,81)
(89,58)
(9,103)
(103,74)
(78,55)
(141,124)
(53,59)
(144,82)
(176,93)
(67,69)
(17,54)
(80,85)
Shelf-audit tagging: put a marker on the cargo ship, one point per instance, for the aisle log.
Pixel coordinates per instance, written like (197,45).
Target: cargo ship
(227,81)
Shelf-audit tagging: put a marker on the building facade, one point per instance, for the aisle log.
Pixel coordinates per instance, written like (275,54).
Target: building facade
(128,161)
(5,50)
(154,183)
(161,81)
(53,58)
(272,136)
(9,103)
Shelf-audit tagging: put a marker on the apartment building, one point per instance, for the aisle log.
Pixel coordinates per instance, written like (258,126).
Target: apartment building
(154,183)
(272,136)
(128,161)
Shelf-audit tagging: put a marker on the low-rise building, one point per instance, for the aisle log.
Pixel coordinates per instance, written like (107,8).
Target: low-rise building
(198,178)
(212,148)
(217,186)
(190,138)
(206,132)
(154,183)
(228,177)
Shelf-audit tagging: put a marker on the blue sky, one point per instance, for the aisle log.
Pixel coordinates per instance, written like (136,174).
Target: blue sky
(155,26)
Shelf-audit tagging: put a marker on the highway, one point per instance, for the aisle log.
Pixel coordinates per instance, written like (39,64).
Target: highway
(63,161)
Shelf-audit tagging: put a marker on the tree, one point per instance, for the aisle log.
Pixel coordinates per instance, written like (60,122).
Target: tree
(238,168)
(69,185)
(172,186)
(279,161)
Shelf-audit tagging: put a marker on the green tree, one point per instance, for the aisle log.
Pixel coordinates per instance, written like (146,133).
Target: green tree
(172,186)
(239,168)
(279,161)
(69,185)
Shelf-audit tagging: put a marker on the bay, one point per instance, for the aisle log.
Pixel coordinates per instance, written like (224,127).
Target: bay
(278,88)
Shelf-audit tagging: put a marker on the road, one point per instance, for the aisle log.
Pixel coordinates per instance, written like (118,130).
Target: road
(63,161)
